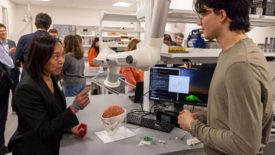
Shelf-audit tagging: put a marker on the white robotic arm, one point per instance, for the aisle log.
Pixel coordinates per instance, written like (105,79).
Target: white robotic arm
(144,57)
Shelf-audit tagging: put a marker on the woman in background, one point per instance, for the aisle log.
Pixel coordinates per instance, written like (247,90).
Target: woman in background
(93,52)
(79,38)
(167,40)
(73,69)
(132,75)
(41,105)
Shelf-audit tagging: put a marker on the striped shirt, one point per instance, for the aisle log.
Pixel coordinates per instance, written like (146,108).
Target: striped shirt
(4,54)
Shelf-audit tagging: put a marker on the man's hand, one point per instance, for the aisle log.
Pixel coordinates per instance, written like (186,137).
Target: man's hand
(184,119)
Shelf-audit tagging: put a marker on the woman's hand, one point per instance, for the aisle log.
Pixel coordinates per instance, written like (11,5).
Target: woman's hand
(82,99)
(80,130)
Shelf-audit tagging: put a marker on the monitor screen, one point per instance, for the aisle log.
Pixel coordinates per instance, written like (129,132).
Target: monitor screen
(180,85)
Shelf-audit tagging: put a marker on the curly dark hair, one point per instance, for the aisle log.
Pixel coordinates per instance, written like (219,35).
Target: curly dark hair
(237,11)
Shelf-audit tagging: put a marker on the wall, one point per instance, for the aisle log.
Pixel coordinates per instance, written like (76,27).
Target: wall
(11,16)
(61,15)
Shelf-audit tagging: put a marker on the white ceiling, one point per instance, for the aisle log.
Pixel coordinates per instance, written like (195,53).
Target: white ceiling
(93,4)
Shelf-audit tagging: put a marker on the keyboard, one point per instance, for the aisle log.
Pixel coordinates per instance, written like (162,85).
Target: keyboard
(141,120)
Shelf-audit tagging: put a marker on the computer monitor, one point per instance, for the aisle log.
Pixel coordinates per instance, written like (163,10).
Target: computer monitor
(180,85)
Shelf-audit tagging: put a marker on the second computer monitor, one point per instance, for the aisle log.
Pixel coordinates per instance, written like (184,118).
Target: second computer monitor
(180,85)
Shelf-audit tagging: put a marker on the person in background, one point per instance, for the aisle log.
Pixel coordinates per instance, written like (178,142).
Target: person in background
(79,38)
(42,22)
(14,72)
(53,33)
(239,113)
(7,65)
(132,75)
(73,69)
(41,105)
(179,39)
(93,52)
(167,40)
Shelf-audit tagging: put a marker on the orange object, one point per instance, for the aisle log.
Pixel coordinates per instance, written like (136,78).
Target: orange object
(132,75)
(113,110)
(91,56)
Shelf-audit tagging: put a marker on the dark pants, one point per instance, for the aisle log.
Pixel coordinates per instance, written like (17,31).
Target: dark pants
(15,77)
(4,101)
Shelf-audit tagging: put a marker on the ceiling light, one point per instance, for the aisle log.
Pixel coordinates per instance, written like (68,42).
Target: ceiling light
(122,4)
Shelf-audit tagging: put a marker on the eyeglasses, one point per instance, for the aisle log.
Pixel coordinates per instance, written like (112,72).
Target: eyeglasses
(58,56)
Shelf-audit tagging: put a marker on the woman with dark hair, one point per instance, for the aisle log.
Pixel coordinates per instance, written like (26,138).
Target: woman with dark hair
(73,69)
(79,38)
(93,52)
(167,40)
(41,105)
(132,75)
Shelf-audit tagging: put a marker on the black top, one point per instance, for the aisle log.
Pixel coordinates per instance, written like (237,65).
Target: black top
(23,45)
(42,118)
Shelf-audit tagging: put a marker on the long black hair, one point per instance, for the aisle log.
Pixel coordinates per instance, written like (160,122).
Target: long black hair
(40,52)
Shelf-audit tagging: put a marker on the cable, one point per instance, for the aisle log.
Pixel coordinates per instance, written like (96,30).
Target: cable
(152,108)
(150,90)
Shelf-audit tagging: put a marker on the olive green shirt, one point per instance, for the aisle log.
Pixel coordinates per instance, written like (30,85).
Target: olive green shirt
(239,112)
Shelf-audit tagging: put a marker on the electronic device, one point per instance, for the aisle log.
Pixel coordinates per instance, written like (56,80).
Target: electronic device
(143,120)
(180,85)
(138,97)
(170,117)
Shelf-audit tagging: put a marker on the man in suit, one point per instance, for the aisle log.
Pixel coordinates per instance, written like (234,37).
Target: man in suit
(7,64)
(15,72)
(42,22)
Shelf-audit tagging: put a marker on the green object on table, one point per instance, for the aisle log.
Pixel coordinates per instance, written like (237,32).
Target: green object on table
(148,139)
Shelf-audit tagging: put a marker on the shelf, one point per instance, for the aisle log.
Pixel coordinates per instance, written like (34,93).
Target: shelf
(119,34)
(262,21)
(120,30)
(82,35)
(86,46)
(197,55)
(104,36)
(182,16)
(105,16)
